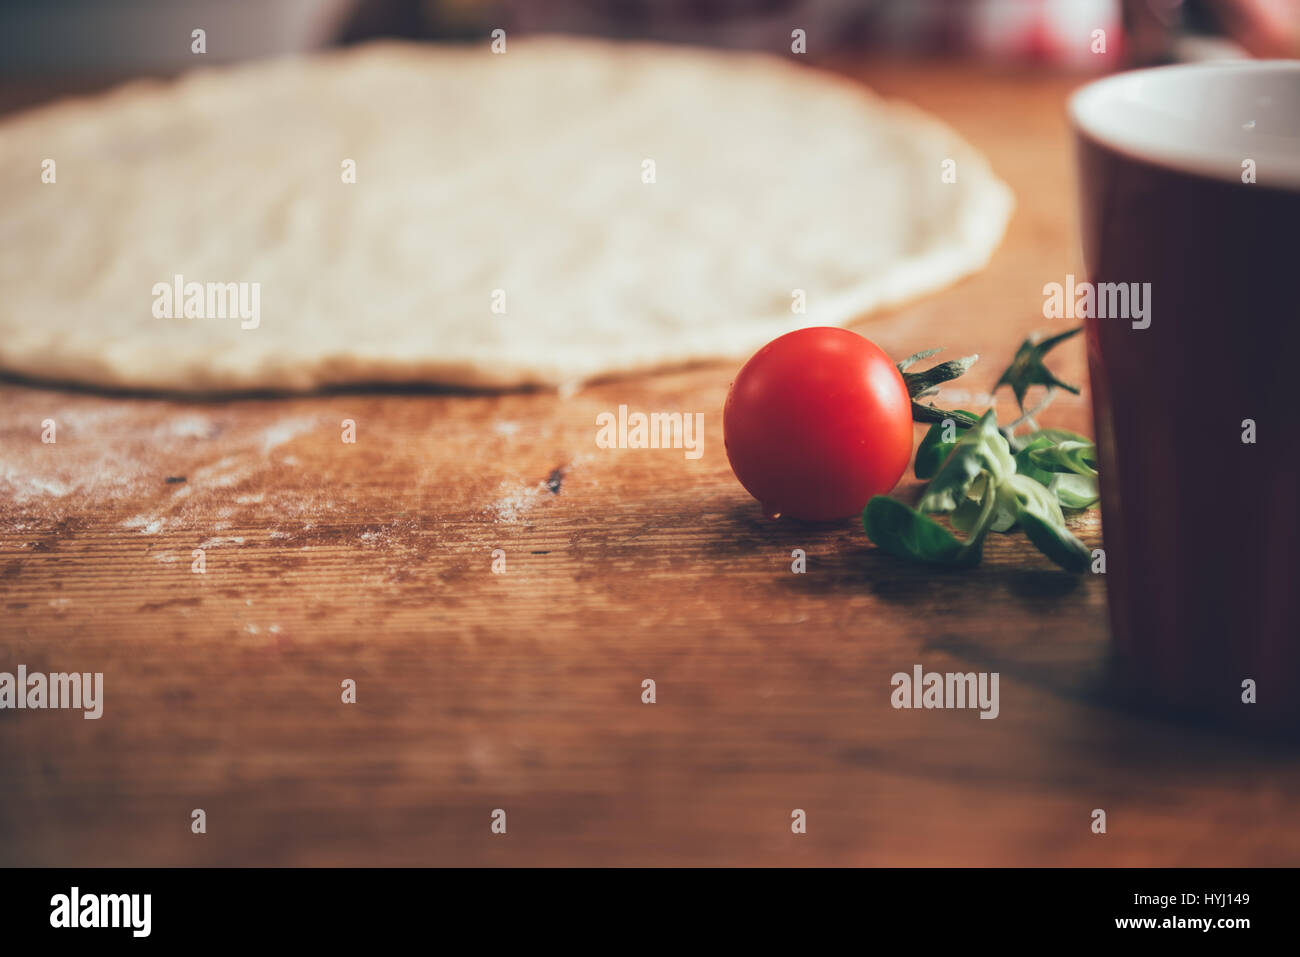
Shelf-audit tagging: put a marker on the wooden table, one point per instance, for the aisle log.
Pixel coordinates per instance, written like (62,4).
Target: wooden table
(522,691)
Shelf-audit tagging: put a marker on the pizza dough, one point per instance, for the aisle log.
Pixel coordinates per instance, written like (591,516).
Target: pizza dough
(564,211)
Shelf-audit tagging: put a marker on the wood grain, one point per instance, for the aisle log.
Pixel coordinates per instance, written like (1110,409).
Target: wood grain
(522,690)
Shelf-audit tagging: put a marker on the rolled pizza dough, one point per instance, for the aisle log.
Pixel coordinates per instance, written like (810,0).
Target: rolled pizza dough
(564,211)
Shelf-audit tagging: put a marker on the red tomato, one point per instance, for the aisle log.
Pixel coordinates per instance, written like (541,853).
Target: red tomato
(817,422)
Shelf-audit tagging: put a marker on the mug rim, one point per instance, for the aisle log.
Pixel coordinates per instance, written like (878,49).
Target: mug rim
(1219,164)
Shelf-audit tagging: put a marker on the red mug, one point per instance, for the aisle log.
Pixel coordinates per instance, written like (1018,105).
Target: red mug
(1189,183)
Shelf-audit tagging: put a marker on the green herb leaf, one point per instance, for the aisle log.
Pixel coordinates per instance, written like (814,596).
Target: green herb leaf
(1027,368)
(1074,491)
(1055,542)
(1057,436)
(1064,462)
(932,451)
(1067,456)
(1025,465)
(967,514)
(1006,509)
(981,449)
(908,534)
(1033,496)
(1043,524)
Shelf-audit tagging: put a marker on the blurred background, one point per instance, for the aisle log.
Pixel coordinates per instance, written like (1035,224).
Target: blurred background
(124,37)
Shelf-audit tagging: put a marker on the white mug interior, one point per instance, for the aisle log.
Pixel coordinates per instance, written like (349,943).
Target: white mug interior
(1203,118)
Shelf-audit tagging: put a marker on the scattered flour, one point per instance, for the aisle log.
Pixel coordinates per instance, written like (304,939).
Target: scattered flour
(226,472)
(286,429)
(513,506)
(25,487)
(99,454)
(221,540)
(187,427)
(146,524)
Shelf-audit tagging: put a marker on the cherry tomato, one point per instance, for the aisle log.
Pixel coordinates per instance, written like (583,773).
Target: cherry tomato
(817,422)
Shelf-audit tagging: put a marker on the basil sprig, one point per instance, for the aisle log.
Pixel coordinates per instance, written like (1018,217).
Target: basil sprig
(989,479)
(979,485)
